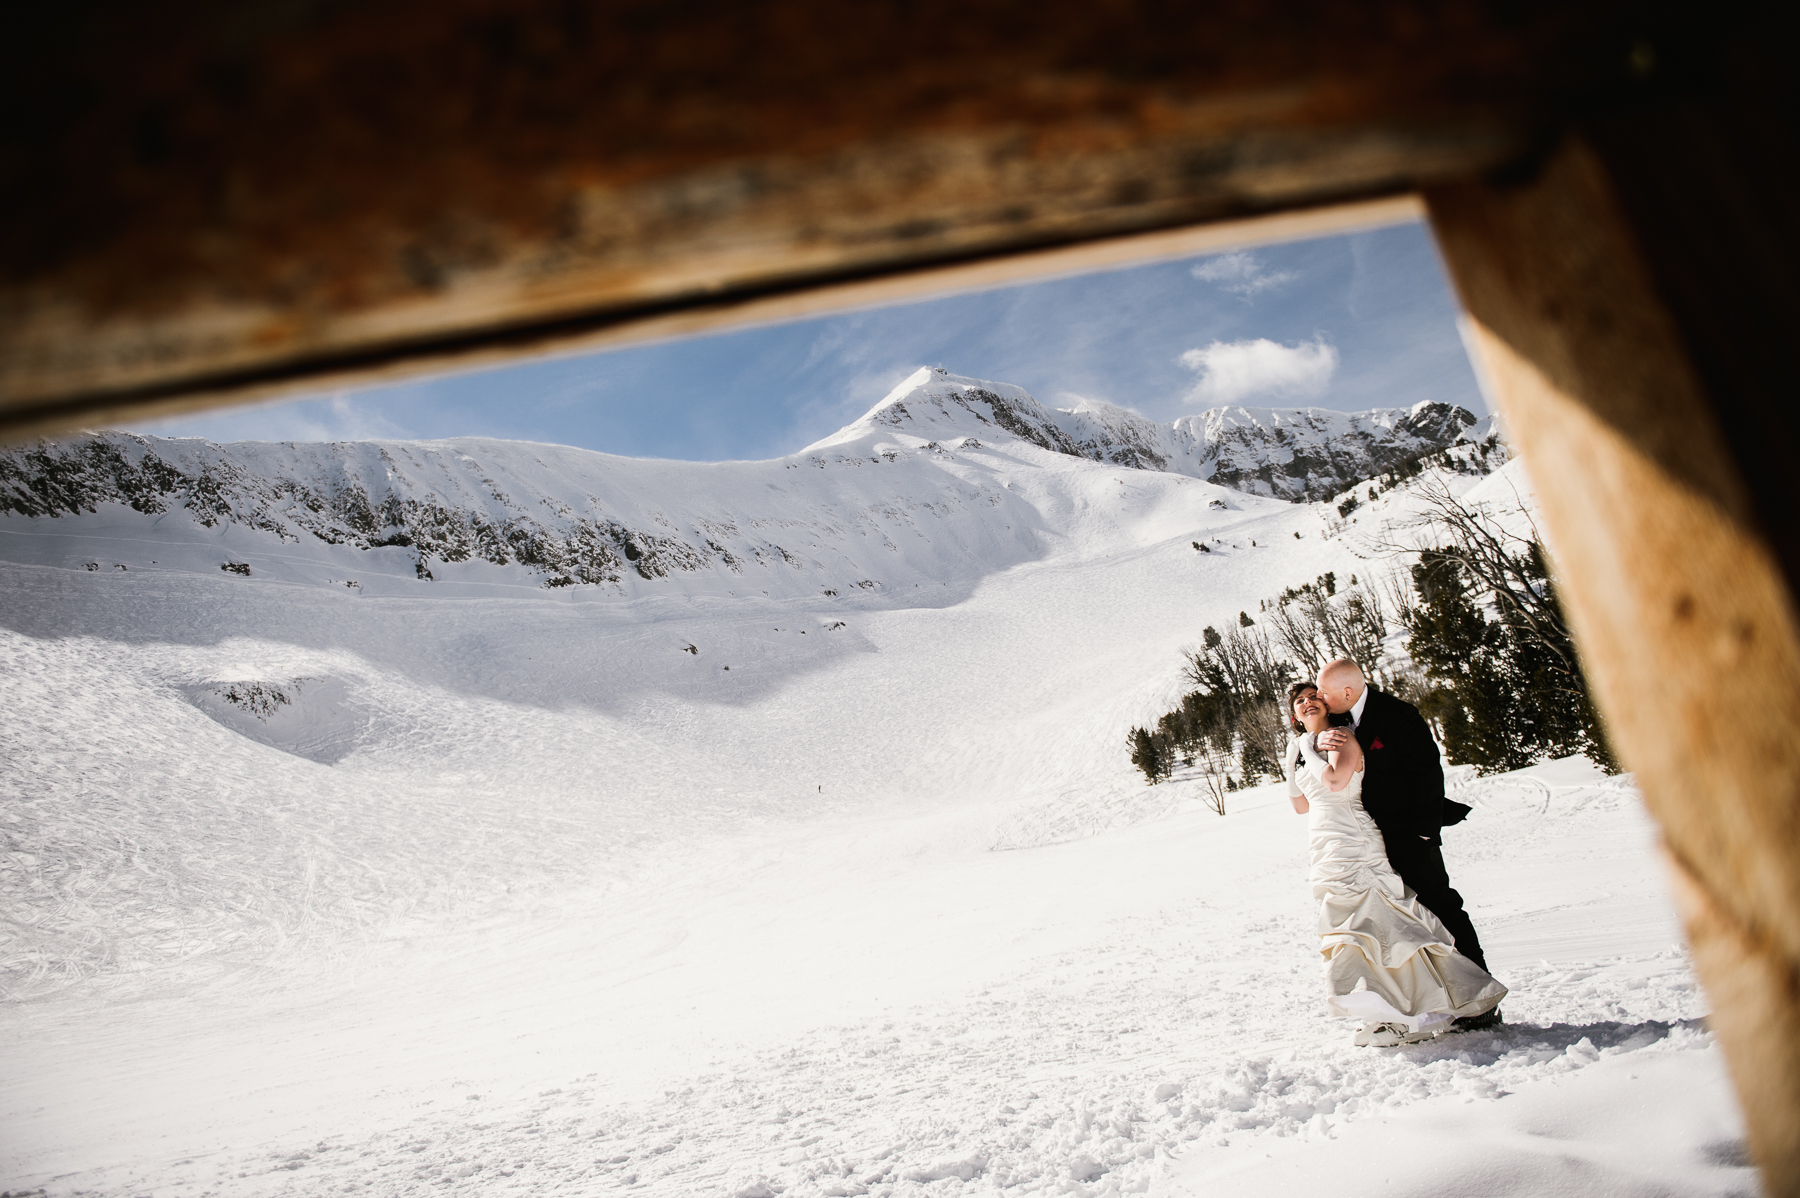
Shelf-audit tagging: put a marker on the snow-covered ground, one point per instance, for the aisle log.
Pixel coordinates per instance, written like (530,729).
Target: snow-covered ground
(415,888)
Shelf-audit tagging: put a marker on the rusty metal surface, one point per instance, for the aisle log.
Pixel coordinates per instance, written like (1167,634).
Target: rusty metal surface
(208,197)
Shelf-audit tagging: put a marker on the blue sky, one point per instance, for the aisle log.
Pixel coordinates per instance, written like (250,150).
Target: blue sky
(1349,322)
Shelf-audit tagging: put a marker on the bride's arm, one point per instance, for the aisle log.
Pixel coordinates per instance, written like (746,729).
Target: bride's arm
(1301,806)
(1344,763)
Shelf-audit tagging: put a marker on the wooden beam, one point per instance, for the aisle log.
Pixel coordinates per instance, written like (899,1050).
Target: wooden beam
(1669,556)
(210,199)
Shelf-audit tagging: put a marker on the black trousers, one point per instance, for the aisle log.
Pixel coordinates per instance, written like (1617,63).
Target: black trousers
(1420,864)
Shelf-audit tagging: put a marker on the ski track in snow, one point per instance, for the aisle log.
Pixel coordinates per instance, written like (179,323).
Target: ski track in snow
(881,911)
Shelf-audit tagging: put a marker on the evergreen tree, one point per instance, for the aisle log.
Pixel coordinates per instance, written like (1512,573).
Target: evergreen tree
(1461,649)
(1506,691)
(1546,669)
(1145,754)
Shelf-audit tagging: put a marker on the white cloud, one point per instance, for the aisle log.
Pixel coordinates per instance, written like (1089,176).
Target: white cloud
(1232,371)
(1241,274)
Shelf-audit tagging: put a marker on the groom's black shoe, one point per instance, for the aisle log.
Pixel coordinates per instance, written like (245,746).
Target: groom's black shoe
(1477,1023)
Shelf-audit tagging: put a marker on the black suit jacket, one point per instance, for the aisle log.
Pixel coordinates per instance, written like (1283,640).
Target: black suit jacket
(1403,786)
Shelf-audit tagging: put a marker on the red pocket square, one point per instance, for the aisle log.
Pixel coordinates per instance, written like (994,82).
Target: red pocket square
(1376,743)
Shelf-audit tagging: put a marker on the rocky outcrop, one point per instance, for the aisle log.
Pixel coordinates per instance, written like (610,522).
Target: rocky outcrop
(355,494)
(1312,453)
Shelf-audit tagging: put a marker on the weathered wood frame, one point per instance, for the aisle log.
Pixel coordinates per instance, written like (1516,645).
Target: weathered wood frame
(208,202)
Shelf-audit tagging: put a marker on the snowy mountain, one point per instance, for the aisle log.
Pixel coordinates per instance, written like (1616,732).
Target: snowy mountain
(1295,454)
(929,484)
(1289,453)
(1313,453)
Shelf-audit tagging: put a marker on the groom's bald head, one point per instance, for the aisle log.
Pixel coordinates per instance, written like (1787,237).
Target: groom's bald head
(1341,684)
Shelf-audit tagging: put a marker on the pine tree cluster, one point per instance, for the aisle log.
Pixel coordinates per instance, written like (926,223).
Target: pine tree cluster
(1505,691)
(1502,684)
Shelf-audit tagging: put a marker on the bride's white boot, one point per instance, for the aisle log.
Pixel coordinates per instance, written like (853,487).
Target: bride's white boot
(1391,1035)
(1379,1035)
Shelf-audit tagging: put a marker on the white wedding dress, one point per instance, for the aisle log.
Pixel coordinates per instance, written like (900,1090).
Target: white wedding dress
(1388,959)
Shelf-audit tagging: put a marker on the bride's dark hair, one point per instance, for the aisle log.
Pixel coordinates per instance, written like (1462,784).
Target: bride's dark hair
(1294,692)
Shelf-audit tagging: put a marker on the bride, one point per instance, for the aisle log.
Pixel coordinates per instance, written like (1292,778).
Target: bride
(1389,962)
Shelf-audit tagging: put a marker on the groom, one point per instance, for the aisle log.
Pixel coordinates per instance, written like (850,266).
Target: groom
(1403,792)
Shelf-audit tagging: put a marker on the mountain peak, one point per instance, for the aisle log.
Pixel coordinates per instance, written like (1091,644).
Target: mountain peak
(933,403)
(1287,453)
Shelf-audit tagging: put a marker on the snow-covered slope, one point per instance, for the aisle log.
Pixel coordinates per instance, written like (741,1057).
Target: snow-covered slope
(715,883)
